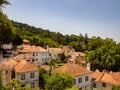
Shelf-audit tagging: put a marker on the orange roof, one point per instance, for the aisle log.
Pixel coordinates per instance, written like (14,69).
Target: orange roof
(25,66)
(67,48)
(108,78)
(28,48)
(26,41)
(97,75)
(79,54)
(46,67)
(116,76)
(56,50)
(7,64)
(73,69)
(23,56)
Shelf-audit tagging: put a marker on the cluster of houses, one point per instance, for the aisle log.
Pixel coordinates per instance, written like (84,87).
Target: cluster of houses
(23,64)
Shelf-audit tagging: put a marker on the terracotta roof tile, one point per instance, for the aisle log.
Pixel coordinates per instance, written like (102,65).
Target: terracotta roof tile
(108,78)
(25,66)
(23,56)
(79,54)
(6,64)
(46,67)
(73,69)
(56,50)
(28,48)
(116,76)
(96,76)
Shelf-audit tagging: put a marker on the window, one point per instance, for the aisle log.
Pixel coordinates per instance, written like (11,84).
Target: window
(80,88)
(31,75)
(74,81)
(23,77)
(80,80)
(32,85)
(36,54)
(104,84)
(86,78)
(94,85)
(43,54)
(23,85)
(33,54)
(6,71)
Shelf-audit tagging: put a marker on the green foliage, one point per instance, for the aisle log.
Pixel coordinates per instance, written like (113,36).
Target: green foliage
(116,88)
(63,58)
(1,85)
(39,36)
(7,30)
(3,2)
(43,76)
(59,81)
(103,54)
(59,61)
(73,88)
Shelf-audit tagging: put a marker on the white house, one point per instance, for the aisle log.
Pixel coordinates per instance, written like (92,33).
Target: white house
(6,67)
(105,80)
(28,73)
(39,54)
(82,76)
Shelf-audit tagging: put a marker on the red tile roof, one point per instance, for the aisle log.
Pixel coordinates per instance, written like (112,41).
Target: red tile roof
(73,69)
(56,50)
(109,78)
(25,66)
(46,67)
(96,76)
(7,64)
(28,48)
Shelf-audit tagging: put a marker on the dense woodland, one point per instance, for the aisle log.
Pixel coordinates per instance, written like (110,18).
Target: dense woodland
(102,53)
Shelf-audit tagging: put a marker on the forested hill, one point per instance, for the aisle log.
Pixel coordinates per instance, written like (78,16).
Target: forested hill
(102,53)
(39,36)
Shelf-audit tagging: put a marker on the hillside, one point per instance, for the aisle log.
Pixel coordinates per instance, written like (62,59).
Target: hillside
(39,36)
(102,53)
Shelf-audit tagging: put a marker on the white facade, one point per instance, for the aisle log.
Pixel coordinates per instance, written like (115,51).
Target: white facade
(42,57)
(82,82)
(28,79)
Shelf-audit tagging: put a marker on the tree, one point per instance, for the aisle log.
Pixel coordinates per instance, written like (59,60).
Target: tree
(59,81)
(103,54)
(7,30)
(43,76)
(17,40)
(63,57)
(4,2)
(116,88)
(73,88)
(15,85)
(1,85)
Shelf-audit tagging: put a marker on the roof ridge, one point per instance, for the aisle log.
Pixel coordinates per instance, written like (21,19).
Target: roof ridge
(114,79)
(102,76)
(23,66)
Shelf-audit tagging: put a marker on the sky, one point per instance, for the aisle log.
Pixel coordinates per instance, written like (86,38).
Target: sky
(94,17)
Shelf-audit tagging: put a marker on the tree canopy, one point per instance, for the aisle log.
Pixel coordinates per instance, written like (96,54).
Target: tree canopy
(59,81)
(7,30)
(103,53)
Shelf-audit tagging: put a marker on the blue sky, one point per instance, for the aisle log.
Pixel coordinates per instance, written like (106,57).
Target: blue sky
(94,17)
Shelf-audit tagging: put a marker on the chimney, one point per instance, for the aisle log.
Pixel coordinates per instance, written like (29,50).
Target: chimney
(88,66)
(104,71)
(111,72)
